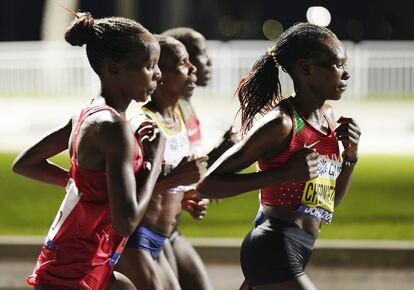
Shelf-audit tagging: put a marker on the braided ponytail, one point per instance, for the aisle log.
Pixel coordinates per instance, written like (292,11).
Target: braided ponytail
(260,90)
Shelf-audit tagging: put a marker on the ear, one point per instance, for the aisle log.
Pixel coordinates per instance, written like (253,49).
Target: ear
(113,67)
(303,66)
(160,82)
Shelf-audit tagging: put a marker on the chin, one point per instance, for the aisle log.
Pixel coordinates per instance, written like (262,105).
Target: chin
(188,95)
(141,98)
(336,97)
(202,82)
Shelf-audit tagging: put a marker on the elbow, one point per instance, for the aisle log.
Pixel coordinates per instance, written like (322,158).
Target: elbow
(126,227)
(18,166)
(126,223)
(123,229)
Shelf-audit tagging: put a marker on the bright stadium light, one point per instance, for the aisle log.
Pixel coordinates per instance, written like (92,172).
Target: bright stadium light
(318,15)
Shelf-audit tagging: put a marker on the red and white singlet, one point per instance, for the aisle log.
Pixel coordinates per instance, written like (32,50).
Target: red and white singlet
(314,197)
(82,247)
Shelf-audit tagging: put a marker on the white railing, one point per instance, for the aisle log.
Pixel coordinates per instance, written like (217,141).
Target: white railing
(378,69)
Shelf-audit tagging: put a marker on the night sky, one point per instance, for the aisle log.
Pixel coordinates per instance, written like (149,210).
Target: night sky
(229,19)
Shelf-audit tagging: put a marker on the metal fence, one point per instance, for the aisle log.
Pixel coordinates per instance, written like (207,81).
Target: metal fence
(378,69)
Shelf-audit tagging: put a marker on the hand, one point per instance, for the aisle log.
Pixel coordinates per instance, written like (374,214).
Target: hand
(302,166)
(232,135)
(197,207)
(147,130)
(191,169)
(348,132)
(152,141)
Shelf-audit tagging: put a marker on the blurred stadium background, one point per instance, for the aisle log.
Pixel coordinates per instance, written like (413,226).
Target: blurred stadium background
(43,81)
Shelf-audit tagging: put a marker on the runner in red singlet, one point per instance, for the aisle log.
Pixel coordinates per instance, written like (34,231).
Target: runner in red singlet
(107,186)
(299,170)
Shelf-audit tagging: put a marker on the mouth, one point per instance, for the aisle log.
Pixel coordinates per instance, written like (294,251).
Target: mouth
(192,82)
(191,85)
(342,88)
(208,74)
(152,88)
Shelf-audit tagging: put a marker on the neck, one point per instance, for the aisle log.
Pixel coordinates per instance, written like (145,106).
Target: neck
(114,99)
(164,104)
(307,104)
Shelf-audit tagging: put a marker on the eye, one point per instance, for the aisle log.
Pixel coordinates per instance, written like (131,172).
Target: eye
(151,66)
(341,65)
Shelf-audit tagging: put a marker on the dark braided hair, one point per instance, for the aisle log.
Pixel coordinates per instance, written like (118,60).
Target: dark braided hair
(260,90)
(112,38)
(186,36)
(168,48)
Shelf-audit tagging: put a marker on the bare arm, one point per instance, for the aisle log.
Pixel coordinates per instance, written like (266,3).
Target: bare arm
(187,172)
(347,132)
(271,134)
(128,195)
(33,162)
(229,138)
(117,145)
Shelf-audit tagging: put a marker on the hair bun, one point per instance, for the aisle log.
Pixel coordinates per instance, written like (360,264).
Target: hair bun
(81,30)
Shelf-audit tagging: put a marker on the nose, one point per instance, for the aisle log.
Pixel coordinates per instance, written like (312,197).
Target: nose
(192,68)
(157,73)
(346,75)
(209,62)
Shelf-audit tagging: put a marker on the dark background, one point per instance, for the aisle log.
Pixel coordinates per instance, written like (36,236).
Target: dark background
(227,19)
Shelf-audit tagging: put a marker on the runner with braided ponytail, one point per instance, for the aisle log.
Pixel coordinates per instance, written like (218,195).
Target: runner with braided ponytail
(296,146)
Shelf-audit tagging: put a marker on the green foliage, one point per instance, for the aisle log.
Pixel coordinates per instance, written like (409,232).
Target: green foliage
(380,204)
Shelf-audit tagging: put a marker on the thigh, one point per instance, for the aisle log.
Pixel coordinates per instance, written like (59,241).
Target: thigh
(299,283)
(170,255)
(268,256)
(169,278)
(139,266)
(120,282)
(192,272)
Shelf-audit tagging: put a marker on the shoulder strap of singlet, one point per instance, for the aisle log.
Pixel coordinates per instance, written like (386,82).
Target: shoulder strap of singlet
(154,117)
(185,109)
(298,123)
(83,115)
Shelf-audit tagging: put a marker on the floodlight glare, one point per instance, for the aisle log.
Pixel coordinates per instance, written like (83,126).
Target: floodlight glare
(318,15)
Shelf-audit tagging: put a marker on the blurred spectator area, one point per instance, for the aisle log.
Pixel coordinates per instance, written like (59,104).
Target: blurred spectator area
(379,70)
(43,83)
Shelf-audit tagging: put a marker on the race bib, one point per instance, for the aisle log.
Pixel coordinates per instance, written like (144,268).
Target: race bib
(318,196)
(71,199)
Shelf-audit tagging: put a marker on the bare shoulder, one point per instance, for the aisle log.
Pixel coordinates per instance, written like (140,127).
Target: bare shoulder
(272,132)
(113,129)
(104,130)
(277,121)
